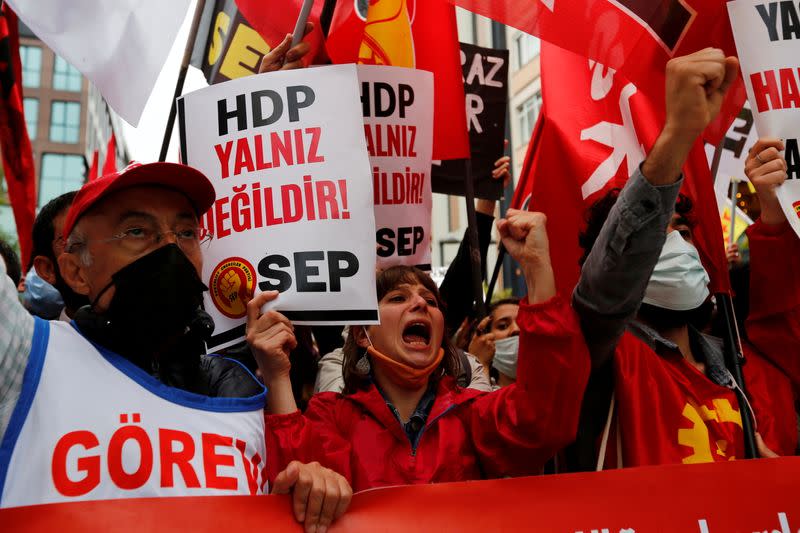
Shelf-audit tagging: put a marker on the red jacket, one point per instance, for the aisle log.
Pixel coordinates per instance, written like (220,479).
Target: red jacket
(773,325)
(468,434)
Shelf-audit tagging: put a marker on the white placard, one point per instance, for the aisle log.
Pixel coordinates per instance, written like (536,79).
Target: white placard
(398,123)
(741,136)
(289,163)
(768,42)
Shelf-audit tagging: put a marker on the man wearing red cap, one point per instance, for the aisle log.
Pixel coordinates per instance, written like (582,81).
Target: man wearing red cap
(122,402)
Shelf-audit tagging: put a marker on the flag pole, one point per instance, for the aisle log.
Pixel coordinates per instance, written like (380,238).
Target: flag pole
(187,57)
(732,342)
(476,266)
(732,234)
(300,25)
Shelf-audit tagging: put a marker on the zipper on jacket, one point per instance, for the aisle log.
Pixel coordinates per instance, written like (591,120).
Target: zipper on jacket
(421,431)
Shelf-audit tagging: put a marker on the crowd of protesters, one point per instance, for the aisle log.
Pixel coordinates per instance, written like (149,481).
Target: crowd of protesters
(625,371)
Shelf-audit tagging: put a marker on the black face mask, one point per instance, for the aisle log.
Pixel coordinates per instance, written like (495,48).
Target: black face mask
(156,299)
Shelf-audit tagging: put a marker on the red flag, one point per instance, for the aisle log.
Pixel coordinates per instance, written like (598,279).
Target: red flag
(93,169)
(274,19)
(110,164)
(595,129)
(14,141)
(634,37)
(409,33)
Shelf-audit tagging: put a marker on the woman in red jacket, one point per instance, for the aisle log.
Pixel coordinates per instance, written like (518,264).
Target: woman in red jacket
(402,419)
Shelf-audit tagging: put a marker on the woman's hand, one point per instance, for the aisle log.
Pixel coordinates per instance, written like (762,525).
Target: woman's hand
(524,235)
(285,56)
(271,340)
(482,344)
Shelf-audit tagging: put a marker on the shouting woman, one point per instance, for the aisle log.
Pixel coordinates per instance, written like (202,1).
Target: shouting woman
(402,418)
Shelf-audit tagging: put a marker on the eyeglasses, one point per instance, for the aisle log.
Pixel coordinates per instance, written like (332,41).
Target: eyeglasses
(143,237)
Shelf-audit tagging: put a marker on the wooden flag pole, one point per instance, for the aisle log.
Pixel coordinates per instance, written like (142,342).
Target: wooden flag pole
(187,57)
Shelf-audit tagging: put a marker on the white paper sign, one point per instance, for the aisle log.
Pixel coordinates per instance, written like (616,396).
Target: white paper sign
(398,124)
(287,157)
(768,42)
(741,136)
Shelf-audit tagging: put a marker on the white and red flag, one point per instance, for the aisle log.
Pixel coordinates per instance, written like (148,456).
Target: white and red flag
(120,45)
(595,129)
(634,37)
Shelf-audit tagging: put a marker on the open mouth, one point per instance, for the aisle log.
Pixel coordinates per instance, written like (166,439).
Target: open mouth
(417,334)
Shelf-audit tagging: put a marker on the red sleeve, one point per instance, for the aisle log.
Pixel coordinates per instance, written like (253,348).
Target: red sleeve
(308,437)
(773,325)
(517,429)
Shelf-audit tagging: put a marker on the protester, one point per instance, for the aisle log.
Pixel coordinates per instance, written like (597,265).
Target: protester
(402,419)
(674,400)
(48,244)
(134,357)
(773,325)
(11,262)
(496,341)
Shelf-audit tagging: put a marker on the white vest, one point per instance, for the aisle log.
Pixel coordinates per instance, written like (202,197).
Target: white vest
(90,425)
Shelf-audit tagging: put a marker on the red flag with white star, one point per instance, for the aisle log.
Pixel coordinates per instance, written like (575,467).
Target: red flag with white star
(596,128)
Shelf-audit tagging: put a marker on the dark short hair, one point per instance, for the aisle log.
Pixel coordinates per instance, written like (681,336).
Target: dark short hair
(13,268)
(44,232)
(597,214)
(387,281)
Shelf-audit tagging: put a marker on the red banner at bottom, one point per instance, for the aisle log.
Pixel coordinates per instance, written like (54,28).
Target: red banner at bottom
(740,496)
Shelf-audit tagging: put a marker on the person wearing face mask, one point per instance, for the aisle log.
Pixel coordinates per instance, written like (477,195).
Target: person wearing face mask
(496,341)
(48,244)
(402,418)
(660,392)
(128,382)
(41,298)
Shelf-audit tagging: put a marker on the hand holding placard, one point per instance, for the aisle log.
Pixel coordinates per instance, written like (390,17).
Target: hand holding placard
(766,169)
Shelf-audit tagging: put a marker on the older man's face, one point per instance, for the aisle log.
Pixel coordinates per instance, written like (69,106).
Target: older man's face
(124,211)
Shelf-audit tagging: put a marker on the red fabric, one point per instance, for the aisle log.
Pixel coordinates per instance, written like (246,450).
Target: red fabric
(273,19)
(595,128)
(110,164)
(669,412)
(15,145)
(616,33)
(93,169)
(468,435)
(773,325)
(411,33)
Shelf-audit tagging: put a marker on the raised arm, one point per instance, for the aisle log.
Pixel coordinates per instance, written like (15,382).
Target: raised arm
(773,325)
(616,272)
(16,336)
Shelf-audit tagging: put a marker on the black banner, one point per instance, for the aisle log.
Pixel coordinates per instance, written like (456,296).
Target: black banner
(227,47)
(485,73)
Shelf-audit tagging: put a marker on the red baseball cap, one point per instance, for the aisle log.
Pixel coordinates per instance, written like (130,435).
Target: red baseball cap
(182,178)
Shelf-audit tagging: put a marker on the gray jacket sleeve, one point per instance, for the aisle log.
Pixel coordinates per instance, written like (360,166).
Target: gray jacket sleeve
(615,275)
(16,335)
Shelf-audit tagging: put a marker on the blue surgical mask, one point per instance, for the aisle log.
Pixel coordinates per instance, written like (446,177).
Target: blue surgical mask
(679,281)
(505,356)
(41,298)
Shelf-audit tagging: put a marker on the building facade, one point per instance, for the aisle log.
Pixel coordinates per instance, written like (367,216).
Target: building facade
(67,121)
(525,100)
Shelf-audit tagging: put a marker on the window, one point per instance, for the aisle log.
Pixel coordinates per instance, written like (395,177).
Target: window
(31,106)
(31,58)
(527,115)
(65,76)
(527,48)
(60,173)
(65,122)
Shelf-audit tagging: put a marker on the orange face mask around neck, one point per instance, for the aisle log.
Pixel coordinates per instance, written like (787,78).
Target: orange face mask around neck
(403,375)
